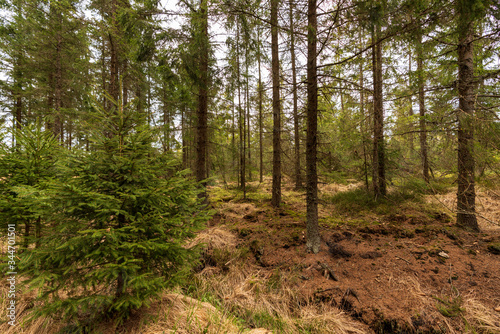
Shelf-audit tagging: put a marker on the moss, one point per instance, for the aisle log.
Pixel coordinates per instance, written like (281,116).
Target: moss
(494,248)
(221,194)
(449,307)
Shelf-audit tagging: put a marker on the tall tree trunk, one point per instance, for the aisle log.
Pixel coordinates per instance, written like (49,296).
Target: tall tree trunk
(202,129)
(19,110)
(125,83)
(421,107)
(363,120)
(166,121)
(183,135)
(49,125)
(466,195)
(58,84)
(241,118)
(410,111)
(313,242)
(247,104)
(58,124)
(296,132)
(113,82)
(18,101)
(233,130)
(103,69)
(275,66)
(261,153)
(379,183)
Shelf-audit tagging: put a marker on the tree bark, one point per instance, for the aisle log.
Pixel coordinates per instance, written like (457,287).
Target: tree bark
(113,52)
(466,195)
(58,124)
(184,140)
(421,107)
(261,154)
(411,113)
(241,119)
(379,183)
(202,129)
(276,187)
(247,105)
(313,242)
(296,132)
(363,126)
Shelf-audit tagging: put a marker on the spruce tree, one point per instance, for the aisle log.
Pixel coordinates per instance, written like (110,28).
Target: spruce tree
(120,217)
(25,170)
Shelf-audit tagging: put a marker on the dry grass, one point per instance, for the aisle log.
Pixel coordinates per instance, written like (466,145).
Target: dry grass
(269,301)
(236,210)
(474,317)
(264,299)
(333,188)
(24,303)
(176,313)
(480,317)
(215,238)
(487,207)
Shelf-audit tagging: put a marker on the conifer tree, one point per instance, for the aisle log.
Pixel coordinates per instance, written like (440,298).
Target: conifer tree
(25,170)
(120,217)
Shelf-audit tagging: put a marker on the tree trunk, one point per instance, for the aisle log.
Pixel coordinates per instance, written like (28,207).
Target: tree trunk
(202,130)
(296,132)
(38,232)
(58,85)
(379,183)
(241,117)
(247,104)
(466,195)
(261,165)
(363,120)
(183,135)
(26,234)
(313,242)
(421,107)
(113,51)
(166,121)
(411,113)
(233,130)
(275,66)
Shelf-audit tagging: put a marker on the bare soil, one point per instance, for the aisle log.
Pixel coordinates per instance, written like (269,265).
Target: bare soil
(404,272)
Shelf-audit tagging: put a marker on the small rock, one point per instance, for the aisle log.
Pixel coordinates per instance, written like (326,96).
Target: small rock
(443,254)
(497,309)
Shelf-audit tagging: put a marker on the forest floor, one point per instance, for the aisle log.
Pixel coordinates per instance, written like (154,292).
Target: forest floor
(398,265)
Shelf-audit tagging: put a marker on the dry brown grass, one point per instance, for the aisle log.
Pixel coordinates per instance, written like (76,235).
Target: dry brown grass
(333,188)
(236,210)
(474,317)
(215,238)
(253,295)
(176,313)
(24,303)
(481,317)
(487,207)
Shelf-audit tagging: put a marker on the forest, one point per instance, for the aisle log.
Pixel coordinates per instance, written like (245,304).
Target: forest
(248,166)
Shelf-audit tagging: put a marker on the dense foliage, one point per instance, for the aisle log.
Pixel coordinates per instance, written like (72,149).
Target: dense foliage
(116,221)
